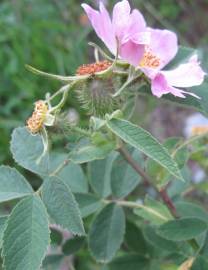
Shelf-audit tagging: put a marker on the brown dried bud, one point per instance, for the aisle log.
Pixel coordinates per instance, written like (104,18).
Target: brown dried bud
(36,121)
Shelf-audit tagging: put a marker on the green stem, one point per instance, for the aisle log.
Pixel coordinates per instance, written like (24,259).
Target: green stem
(60,91)
(80,131)
(130,79)
(60,167)
(191,140)
(57,77)
(64,90)
(95,46)
(125,204)
(62,102)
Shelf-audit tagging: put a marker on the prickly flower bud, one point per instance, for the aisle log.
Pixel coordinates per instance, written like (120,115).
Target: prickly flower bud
(95,94)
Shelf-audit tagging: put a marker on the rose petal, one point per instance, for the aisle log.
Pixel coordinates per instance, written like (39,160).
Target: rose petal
(163,44)
(132,52)
(179,92)
(141,38)
(121,17)
(129,26)
(186,75)
(137,22)
(102,24)
(160,86)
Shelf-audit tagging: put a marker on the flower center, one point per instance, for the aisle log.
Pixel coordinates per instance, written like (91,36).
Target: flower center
(35,122)
(198,130)
(149,60)
(93,68)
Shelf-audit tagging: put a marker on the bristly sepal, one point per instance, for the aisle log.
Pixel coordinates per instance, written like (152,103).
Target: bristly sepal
(95,95)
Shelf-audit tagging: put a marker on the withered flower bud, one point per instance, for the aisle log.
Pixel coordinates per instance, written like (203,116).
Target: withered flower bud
(36,121)
(95,94)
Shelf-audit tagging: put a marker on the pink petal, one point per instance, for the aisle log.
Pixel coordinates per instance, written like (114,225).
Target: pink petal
(129,26)
(179,92)
(137,23)
(164,45)
(121,14)
(102,24)
(141,38)
(132,52)
(186,75)
(160,86)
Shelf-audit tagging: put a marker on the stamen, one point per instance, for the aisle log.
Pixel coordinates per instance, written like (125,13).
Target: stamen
(35,122)
(91,69)
(198,130)
(150,60)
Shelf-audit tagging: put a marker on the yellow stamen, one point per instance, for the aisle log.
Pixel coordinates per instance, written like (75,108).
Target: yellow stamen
(198,130)
(149,60)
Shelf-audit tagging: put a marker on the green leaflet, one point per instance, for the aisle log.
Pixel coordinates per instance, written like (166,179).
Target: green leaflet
(71,174)
(130,262)
(100,174)
(26,237)
(86,151)
(73,245)
(12,184)
(187,209)
(124,178)
(3,224)
(159,242)
(52,262)
(145,142)
(106,233)
(153,211)
(134,238)
(200,263)
(88,203)
(61,205)
(27,150)
(162,176)
(182,229)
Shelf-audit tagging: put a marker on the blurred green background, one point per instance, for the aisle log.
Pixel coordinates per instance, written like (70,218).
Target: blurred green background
(52,35)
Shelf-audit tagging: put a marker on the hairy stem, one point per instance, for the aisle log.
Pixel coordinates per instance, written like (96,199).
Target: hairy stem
(80,130)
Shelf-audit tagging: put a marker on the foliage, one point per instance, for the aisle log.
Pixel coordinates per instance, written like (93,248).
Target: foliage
(28,29)
(110,194)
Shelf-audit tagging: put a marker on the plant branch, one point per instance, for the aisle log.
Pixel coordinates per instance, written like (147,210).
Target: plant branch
(147,180)
(135,165)
(161,193)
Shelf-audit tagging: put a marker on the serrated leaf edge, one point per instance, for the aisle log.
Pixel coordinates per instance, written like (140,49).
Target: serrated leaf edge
(178,175)
(79,213)
(49,240)
(24,180)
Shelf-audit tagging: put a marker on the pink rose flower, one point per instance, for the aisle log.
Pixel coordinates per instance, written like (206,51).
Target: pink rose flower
(126,28)
(161,50)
